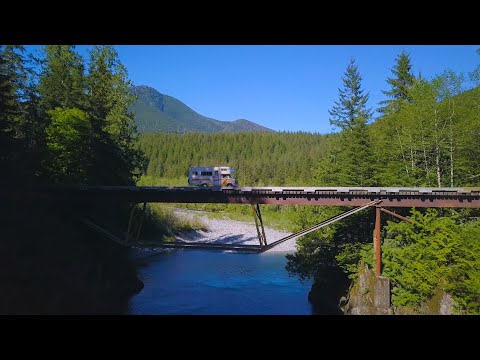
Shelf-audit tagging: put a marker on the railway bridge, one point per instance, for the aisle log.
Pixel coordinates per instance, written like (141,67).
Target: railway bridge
(360,198)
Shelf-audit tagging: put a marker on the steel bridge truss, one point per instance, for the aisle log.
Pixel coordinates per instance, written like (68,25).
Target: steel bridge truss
(362,198)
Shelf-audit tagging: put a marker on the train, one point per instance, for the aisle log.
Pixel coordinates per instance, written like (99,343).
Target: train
(212,176)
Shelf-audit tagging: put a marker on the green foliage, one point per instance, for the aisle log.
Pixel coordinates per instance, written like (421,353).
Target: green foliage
(392,152)
(440,250)
(63,81)
(149,180)
(340,245)
(352,238)
(331,246)
(348,256)
(400,84)
(417,257)
(259,159)
(448,84)
(158,112)
(429,142)
(116,160)
(67,141)
(21,126)
(464,275)
(10,110)
(356,158)
(83,119)
(350,162)
(316,253)
(351,108)
(328,166)
(162,224)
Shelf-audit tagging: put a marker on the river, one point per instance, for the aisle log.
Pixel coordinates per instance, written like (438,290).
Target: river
(208,282)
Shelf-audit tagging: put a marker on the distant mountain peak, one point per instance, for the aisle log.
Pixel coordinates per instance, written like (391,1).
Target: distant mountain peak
(243,121)
(157,112)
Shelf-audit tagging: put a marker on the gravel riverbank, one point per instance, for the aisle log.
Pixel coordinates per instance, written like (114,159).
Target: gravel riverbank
(232,232)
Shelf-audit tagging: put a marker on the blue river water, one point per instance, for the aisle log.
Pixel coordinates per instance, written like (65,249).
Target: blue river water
(206,282)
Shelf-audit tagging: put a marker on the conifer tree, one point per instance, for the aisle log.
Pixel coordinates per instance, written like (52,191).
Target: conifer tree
(11,83)
(351,114)
(62,83)
(113,126)
(400,84)
(351,107)
(61,97)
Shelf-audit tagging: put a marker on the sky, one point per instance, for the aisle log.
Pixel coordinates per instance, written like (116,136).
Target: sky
(282,87)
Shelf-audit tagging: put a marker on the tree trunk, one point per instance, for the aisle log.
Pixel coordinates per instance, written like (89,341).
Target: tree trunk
(451,165)
(451,145)
(412,154)
(437,152)
(403,153)
(425,159)
(437,164)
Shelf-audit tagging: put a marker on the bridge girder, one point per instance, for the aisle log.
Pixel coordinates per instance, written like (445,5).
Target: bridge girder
(390,197)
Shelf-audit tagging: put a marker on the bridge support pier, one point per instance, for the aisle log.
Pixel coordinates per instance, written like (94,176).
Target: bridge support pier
(135,224)
(259,225)
(377,236)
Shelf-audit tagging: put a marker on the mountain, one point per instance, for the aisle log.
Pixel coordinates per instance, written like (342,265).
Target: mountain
(162,113)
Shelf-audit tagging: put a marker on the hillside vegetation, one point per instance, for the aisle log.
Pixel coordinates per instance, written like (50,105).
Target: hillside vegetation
(258,158)
(162,113)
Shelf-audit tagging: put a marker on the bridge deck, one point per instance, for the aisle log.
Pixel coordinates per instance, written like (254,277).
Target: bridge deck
(320,196)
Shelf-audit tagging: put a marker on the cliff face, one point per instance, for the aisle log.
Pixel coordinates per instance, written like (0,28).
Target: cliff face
(441,303)
(370,295)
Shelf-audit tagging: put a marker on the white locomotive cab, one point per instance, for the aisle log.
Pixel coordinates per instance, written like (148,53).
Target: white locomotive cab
(212,176)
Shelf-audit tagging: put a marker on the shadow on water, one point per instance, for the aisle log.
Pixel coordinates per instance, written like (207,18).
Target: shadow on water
(327,291)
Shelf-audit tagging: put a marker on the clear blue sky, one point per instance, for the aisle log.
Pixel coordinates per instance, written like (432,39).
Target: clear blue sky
(283,87)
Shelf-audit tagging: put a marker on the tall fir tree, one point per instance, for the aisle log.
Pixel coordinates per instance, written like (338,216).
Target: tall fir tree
(61,88)
(400,84)
(351,114)
(12,84)
(113,126)
(32,125)
(63,82)
(351,107)
(356,158)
